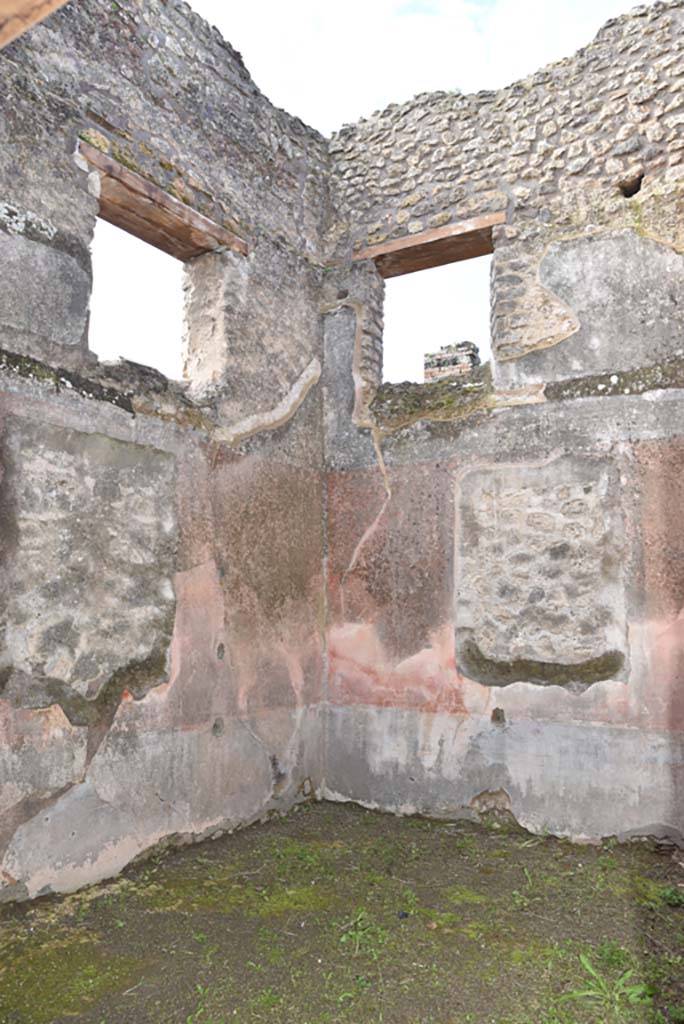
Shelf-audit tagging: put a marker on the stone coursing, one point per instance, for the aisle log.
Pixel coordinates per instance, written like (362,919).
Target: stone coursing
(553,151)
(611,110)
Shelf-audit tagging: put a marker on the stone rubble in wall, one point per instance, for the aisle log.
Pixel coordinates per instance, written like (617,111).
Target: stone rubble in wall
(160,64)
(552,151)
(445,156)
(24,222)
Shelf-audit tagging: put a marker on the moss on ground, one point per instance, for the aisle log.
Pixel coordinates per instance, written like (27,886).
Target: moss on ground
(59,972)
(336,914)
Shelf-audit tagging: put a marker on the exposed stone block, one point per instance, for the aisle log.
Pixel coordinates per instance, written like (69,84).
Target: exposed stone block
(45,299)
(89,535)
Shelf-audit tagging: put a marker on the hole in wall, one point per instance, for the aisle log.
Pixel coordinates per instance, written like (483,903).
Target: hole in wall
(136,307)
(279,776)
(499,716)
(431,309)
(631,185)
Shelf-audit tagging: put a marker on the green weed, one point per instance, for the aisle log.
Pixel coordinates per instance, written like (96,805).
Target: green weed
(611,998)
(364,935)
(672,896)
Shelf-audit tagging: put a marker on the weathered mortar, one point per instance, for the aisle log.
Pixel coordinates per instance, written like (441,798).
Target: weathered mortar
(280,577)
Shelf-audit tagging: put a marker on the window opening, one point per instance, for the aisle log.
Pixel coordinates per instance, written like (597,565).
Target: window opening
(136,308)
(434,318)
(137,300)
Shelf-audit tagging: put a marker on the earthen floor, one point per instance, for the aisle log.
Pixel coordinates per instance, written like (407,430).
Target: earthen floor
(338,914)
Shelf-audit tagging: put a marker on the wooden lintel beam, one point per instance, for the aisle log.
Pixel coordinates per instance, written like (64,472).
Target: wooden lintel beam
(462,241)
(17,16)
(136,205)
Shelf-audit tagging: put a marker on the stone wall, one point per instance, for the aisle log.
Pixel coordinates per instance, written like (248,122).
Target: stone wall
(161,543)
(281,578)
(451,361)
(494,625)
(498,566)
(153,87)
(554,152)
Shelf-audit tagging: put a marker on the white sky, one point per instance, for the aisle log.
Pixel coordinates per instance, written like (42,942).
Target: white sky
(330,64)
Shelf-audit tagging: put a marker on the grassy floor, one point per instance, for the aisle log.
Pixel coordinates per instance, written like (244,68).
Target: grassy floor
(336,914)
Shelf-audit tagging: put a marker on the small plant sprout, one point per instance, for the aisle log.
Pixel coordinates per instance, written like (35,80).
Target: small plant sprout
(611,998)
